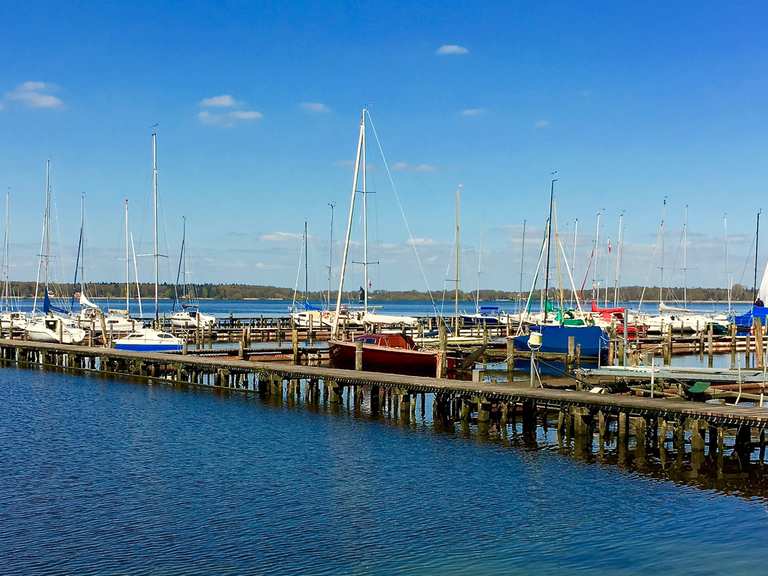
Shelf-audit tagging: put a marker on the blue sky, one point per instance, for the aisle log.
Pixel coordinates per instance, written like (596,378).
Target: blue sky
(258,107)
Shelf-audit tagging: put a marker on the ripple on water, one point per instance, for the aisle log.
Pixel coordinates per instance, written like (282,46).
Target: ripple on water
(106,477)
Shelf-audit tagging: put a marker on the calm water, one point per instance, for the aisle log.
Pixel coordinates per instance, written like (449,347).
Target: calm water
(108,477)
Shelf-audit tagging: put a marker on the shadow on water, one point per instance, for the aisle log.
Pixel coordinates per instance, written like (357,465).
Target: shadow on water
(731,472)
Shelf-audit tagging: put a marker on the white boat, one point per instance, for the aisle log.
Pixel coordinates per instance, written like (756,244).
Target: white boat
(13,320)
(149,340)
(53,328)
(191,318)
(116,322)
(373,318)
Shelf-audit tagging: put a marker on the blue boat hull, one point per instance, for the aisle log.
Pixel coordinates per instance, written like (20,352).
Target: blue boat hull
(592,339)
(149,347)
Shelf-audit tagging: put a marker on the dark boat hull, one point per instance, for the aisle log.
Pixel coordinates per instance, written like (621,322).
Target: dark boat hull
(385,359)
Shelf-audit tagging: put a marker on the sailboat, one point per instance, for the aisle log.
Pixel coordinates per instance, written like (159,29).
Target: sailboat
(54,324)
(116,322)
(557,327)
(11,320)
(381,352)
(759,310)
(189,316)
(307,314)
(151,339)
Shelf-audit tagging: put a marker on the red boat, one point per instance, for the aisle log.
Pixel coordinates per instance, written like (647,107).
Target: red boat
(616,316)
(394,353)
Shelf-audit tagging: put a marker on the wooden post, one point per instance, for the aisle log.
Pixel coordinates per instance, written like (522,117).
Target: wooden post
(295,344)
(710,345)
(747,350)
(758,330)
(359,355)
(733,346)
(569,359)
(442,359)
(668,346)
(510,358)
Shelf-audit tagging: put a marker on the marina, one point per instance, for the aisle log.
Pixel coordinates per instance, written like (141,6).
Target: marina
(393,289)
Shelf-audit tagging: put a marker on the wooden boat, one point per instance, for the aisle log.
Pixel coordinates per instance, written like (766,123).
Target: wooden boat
(394,353)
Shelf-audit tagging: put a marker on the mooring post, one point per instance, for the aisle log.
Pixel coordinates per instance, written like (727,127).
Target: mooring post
(757,328)
(710,345)
(359,355)
(529,418)
(747,349)
(697,437)
(442,358)
(570,356)
(733,346)
(295,344)
(334,392)
(668,346)
(510,358)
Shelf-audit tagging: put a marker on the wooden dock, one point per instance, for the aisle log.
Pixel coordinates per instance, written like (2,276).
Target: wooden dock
(653,422)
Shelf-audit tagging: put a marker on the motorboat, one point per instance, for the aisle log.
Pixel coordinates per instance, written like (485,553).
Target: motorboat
(149,340)
(394,353)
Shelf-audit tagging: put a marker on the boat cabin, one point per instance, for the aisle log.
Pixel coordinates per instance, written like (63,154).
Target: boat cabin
(387,340)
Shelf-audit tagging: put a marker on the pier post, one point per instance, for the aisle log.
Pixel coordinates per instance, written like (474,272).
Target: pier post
(641,439)
(442,360)
(529,418)
(668,346)
(571,353)
(747,350)
(697,437)
(295,345)
(334,392)
(483,415)
(710,345)
(733,346)
(359,355)
(757,328)
(510,358)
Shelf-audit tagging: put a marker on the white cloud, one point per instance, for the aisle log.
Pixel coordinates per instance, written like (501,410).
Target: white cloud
(34,94)
(451,50)
(406,167)
(222,101)
(421,242)
(315,107)
(226,118)
(279,236)
(541,124)
(469,112)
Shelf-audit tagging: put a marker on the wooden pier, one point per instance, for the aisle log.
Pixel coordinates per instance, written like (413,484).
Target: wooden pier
(585,416)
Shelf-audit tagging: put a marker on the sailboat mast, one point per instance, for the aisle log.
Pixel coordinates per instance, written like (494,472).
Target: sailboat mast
(757,246)
(330,253)
(549,241)
(365,219)
(127,259)
(685,257)
(573,254)
(522,267)
(82,241)
(155,252)
(661,231)
(6,264)
(47,222)
(727,269)
(458,260)
(345,255)
(618,261)
(479,271)
(306,265)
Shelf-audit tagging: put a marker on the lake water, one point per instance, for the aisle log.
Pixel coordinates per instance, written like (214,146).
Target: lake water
(99,476)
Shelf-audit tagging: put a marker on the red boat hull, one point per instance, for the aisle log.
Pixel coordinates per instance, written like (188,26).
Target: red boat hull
(386,359)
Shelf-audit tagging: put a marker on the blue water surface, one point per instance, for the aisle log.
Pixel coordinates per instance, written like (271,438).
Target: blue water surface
(99,476)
